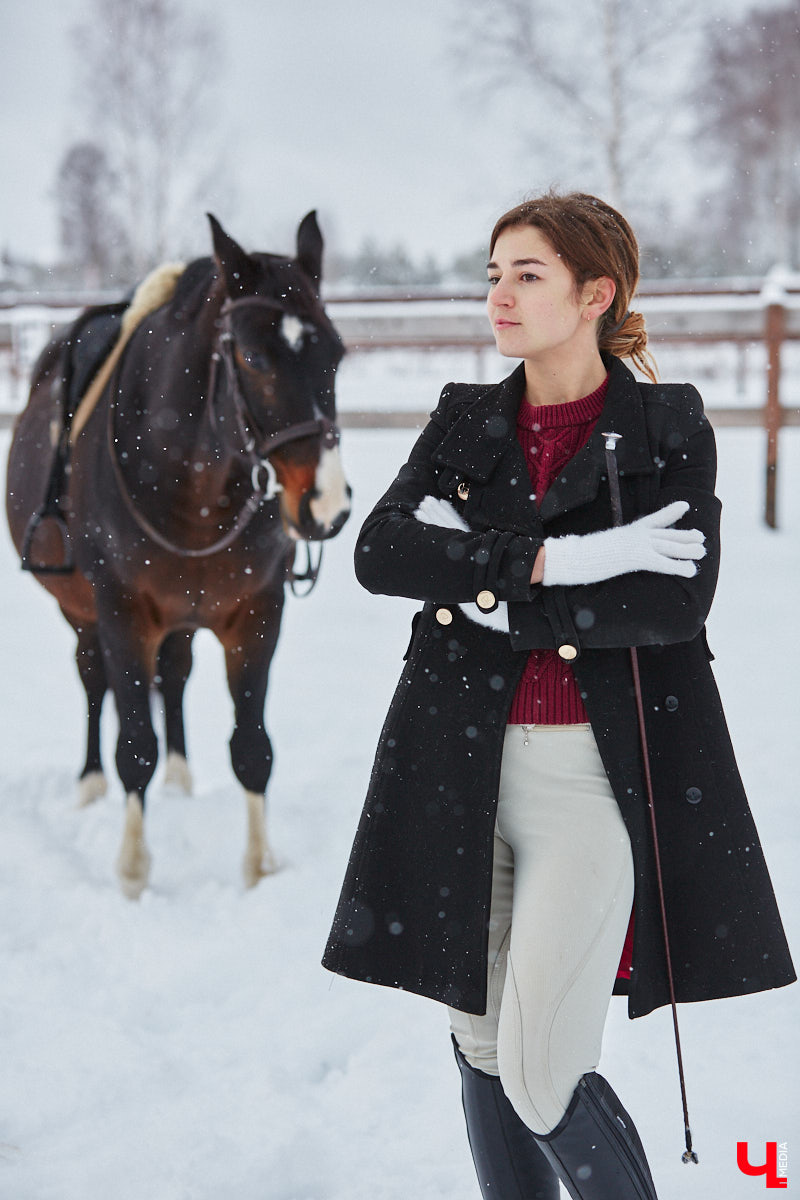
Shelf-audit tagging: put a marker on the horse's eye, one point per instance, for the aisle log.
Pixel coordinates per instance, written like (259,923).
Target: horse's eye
(256,360)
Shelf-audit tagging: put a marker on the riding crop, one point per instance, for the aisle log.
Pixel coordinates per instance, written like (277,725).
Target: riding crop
(616,508)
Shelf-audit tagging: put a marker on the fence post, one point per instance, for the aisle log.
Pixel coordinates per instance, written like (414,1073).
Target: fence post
(479,360)
(775,326)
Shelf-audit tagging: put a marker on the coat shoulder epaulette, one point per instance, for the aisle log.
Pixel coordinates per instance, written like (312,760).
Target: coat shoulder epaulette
(455,398)
(678,403)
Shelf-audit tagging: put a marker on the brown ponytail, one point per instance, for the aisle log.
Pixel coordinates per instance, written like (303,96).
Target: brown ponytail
(593,240)
(627,339)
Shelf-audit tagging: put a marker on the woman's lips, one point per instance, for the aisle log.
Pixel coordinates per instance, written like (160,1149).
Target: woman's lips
(502,323)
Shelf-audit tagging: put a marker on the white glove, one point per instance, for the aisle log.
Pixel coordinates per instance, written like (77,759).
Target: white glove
(432,510)
(648,544)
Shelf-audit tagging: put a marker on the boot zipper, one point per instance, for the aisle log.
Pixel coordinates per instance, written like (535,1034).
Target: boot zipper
(612,1122)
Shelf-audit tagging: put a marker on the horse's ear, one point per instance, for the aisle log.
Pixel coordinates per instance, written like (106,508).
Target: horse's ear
(309,247)
(236,266)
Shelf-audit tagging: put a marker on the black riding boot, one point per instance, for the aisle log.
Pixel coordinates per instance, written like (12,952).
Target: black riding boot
(595,1147)
(507,1158)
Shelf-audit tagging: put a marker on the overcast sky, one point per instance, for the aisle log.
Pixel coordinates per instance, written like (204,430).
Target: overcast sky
(356,108)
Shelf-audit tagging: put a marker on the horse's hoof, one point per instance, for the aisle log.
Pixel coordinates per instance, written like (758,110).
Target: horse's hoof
(255,869)
(133,864)
(258,857)
(132,886)
(177,773)
(91,787)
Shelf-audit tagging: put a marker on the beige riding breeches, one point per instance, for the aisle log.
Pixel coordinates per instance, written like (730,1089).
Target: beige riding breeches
(562,892)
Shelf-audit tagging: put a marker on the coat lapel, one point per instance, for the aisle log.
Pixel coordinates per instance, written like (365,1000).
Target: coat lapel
(482,446)
(485,430)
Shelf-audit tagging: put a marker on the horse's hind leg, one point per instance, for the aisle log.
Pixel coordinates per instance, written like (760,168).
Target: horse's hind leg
(174,665)
(249,646)
(89,658)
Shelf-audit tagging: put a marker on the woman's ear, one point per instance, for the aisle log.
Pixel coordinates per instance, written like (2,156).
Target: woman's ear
(598,296)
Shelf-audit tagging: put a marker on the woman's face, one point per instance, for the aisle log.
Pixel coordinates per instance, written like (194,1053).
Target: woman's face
(533,305)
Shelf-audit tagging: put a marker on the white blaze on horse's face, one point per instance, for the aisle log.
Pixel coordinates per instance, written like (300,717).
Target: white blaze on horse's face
(292,330)
(333,499)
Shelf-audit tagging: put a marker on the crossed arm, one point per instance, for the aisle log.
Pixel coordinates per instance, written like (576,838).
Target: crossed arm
(635,585)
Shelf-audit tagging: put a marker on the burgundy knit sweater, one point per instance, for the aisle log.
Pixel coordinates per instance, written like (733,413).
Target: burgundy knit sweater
(550,434)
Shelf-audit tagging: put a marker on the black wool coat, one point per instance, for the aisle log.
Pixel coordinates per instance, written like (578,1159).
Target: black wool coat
(413,911)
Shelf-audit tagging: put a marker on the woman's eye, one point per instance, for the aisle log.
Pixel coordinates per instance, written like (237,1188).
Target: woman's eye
(525,277)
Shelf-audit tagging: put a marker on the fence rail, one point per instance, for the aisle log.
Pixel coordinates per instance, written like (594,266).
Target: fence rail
(740,312)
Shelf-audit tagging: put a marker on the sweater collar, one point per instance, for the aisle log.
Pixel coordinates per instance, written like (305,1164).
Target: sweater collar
(562,416)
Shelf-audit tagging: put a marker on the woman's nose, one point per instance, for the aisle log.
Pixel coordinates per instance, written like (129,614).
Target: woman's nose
(500,296)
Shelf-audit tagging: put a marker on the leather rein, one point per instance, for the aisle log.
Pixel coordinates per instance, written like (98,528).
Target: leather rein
(263,477)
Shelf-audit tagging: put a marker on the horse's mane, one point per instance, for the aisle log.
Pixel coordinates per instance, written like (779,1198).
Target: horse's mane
(193,287)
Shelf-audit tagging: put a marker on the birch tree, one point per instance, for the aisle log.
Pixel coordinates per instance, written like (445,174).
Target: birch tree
(596,84)
(147,71)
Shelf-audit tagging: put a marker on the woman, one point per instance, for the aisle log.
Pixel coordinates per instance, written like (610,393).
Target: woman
(504,863)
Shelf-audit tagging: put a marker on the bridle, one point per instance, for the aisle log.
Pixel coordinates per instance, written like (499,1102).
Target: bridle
(322,427)
(263,476)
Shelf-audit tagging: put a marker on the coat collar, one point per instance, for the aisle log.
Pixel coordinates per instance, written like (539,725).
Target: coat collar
(486,434)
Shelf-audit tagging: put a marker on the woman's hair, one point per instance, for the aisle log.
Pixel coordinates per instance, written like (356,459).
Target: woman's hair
(592,239)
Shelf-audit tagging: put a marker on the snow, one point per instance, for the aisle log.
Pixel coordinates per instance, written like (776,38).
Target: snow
(190,1047)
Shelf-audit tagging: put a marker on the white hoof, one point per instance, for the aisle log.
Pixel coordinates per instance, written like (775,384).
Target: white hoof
(255,867)
(91,787)
(177,773)
(258,857)
(133,864)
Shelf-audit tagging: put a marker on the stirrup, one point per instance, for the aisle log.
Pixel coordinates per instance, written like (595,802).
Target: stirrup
(63,568)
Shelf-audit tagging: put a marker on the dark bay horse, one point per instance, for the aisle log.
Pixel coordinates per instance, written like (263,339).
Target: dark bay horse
(211,452)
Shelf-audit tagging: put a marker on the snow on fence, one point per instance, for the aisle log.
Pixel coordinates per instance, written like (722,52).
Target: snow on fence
(736,338)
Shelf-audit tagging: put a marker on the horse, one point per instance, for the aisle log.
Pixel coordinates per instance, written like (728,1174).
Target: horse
(210,454)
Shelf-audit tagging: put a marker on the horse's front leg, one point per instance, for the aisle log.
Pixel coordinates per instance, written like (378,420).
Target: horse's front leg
(130,643)
(174,665)
(249,646)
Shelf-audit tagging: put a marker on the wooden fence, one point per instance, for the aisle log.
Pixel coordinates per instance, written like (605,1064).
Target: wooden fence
(744,312)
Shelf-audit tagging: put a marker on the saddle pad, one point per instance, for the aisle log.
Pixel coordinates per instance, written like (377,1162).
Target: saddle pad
(156,289)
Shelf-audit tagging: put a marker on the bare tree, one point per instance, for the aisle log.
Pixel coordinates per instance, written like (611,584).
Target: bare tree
(749,116)
(92,240)
(148,69)
(598,80)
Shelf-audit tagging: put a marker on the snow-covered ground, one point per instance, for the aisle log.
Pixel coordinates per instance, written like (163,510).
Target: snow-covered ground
(190,1047)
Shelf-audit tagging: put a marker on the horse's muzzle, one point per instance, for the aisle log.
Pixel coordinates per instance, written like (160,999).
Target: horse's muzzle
(308,525)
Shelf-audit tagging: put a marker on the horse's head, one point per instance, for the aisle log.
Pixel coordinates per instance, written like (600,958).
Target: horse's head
(282,352)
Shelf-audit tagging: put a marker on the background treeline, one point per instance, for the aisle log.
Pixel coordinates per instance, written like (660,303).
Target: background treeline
(686,117)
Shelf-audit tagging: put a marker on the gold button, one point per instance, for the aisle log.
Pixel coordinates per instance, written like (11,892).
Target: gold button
(567,652)
(444,616)
(463,490)
(485,599)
